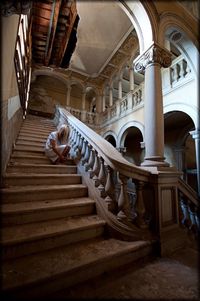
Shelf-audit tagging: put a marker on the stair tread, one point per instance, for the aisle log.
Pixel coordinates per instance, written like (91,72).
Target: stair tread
(63,260)
(38,175)
(18,164)
(29,188)
(23,207)
(29,232)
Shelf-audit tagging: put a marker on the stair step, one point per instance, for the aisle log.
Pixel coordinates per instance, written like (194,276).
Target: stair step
(31,139)
(15,167)
(35,131)
(40,179)
(29,148)
(22,142)
(29,158)
(77,263)
(34,134)
(29,212)
(37,126)
(20,240)
(40,192)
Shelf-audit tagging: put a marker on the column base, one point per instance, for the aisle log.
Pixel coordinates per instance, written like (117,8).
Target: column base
(155,161)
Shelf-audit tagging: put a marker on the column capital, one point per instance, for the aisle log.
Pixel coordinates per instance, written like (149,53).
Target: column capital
(154,54)
(195,134)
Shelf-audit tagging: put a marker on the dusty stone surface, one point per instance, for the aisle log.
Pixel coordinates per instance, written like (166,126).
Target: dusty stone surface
(174,278)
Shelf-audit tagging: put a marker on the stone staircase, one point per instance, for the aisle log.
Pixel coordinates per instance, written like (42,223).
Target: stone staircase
(52,237)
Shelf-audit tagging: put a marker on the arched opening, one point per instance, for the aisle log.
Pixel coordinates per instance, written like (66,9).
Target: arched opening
(111,140)
(180,146)
(132,144)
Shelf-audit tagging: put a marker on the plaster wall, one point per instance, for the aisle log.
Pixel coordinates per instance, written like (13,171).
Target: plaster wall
(184,100)
(11,112)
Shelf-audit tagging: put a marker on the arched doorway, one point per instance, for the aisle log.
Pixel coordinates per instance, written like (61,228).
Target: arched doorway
(180,146)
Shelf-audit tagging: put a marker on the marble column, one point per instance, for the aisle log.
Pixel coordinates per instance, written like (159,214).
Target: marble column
(196,136)
(68,96)
(83,100)
(110,95)
(131,78)
(150,63)
(120,88)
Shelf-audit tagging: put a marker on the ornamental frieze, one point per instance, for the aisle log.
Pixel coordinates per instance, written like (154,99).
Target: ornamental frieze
(155,54)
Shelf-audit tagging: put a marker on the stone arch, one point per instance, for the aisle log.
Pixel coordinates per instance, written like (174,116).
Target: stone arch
(49,73)
(173,26)
(142,19)
(191,111)
(111,137)
(173,21)
(121,136)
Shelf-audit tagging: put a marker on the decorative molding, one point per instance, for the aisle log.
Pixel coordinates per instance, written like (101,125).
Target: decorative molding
(9,7)
(155,54)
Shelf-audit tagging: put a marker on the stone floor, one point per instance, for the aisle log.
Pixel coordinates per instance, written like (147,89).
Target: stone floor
(174,278)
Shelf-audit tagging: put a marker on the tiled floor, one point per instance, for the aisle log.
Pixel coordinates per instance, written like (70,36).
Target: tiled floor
(174,278)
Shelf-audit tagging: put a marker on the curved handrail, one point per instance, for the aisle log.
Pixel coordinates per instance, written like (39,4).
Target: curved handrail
(108,152)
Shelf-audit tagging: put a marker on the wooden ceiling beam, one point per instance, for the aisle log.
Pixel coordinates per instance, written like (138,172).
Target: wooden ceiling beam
(52,29)
(72,17)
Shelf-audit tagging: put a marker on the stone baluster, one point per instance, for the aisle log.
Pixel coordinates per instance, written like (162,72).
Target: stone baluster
(72,136)
(110,190)
(186,218)
(76,149)
(140,206)
(74,139)
(188,70)
(91,163)
(79,147)
(96,169)
(181,72)
(83,148)
(86,153)
(124,209)
(90,159)
(102,178)
(191,212)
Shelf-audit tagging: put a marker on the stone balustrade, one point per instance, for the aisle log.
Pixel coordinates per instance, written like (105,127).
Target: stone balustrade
(179,70)
(109,172)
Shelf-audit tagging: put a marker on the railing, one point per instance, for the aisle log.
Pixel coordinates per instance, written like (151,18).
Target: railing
(107,175)
(130,102)
(190,207)
(179,70)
